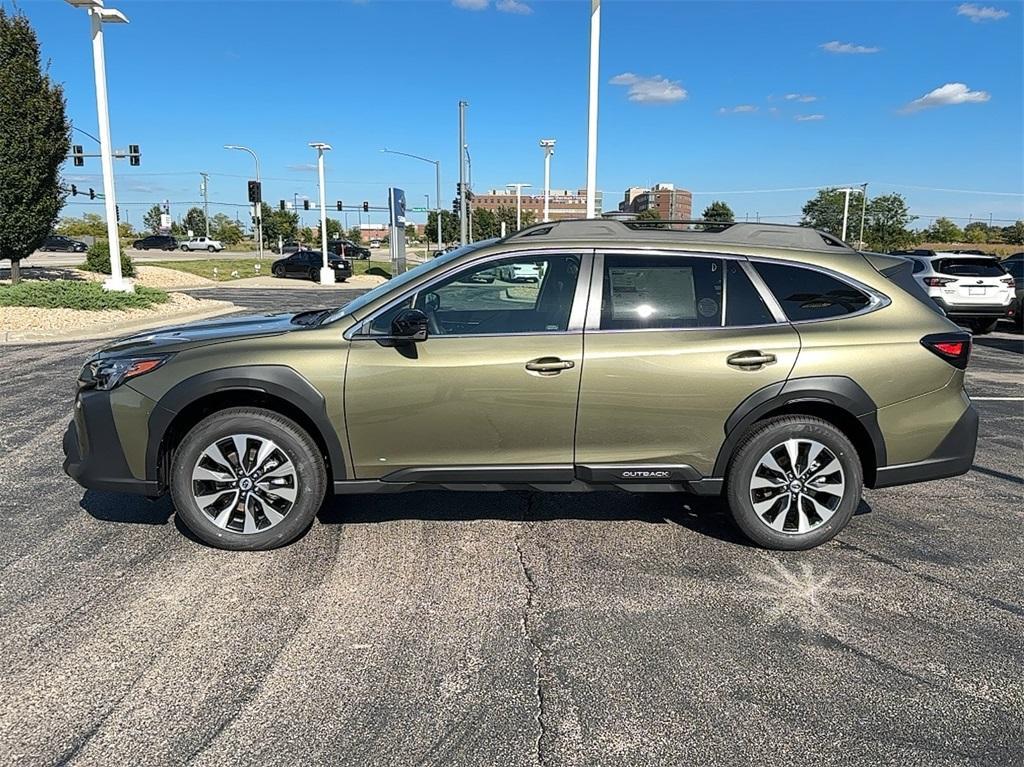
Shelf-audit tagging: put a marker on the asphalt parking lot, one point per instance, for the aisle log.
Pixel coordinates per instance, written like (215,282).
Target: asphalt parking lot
(508,629)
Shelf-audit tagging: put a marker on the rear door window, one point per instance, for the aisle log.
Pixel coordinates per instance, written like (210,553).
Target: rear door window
(642,292)
(970,267)
(807,294)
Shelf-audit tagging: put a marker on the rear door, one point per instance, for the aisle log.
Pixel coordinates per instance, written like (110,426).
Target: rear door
(976,280)
(673,343)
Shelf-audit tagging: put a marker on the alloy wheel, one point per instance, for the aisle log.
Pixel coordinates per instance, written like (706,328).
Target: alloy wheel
(797,486)
(244,483)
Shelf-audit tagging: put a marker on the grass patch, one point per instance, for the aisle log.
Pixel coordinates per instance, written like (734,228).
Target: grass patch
(77,294)
(246,267)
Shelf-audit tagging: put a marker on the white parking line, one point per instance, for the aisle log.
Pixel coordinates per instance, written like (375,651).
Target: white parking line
(997,399)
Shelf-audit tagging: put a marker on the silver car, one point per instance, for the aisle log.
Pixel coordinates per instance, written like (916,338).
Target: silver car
(203,243)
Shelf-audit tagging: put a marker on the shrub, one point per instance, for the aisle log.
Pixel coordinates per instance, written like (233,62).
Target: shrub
(97,259)
(76,294)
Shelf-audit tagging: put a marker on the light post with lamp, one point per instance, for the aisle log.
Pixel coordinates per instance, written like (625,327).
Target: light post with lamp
(326,273)
(548,145)
(258,205)
(437,185)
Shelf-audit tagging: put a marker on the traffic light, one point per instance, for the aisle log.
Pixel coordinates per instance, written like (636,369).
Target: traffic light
(74,190)
(366,207)
(339,205)
(77,155)
(92,193)
(134,156)
(282,205)
(305,204)
(255,193)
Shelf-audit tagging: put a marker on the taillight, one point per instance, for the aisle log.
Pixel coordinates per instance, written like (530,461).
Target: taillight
(937,282)
(1010,283)
(954,348)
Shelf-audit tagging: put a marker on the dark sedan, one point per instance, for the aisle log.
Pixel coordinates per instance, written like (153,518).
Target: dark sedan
(348,249)
(156,242)
(57,242)
(306,264)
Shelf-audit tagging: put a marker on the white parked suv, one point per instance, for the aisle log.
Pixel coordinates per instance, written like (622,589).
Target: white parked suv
(525,272)
(203,243)
(973,290)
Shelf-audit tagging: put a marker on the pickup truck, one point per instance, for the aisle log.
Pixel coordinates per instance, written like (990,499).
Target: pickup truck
(203,243)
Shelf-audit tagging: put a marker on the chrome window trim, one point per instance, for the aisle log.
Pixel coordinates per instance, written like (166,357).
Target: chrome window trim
(876,299)
(576,312)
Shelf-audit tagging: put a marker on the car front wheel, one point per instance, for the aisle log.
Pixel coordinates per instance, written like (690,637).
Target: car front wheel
(794,482)
(247,479)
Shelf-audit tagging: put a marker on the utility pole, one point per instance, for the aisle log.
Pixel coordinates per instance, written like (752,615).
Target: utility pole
(519,203)
(468,192)
(206,201)
(863,211)
(548,145)
(595,53)
(846,208)
(463,208)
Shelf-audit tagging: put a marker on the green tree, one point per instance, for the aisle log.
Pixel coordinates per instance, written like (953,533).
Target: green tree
(944,230)
(449,227)
(279,223)
(977,232)
(886,224)
(90,224)
(825,212)
(718,211)
(485,224)
(195,220)
(97,259)
(225,229)
(507,214)
(356,235)
(151,219)
(34,139)
(335,229)
(1014,234)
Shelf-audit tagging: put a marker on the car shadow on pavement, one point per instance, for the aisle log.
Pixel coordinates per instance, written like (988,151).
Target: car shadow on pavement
(1015,345)
(127,509)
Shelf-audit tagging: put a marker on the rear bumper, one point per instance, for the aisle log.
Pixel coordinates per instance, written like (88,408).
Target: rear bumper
(953,457)
(93,456)
(973,310)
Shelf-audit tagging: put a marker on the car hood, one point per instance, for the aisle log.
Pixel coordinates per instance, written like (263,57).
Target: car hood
(201,333)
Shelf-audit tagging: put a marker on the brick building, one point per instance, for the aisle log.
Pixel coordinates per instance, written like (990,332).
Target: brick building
(563,204)
(671,203)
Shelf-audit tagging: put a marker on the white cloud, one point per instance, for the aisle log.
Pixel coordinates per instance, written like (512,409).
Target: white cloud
(471,5)
(738,109)
(650,90)
(513,6)
(803,98)
(808,118)
(980,13)
(303,167)
(947,95)
(837,47)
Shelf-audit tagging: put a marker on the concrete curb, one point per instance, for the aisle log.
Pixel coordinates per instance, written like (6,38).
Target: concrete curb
(15,337)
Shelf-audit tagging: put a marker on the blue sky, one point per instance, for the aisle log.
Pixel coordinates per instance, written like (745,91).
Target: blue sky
(691,93)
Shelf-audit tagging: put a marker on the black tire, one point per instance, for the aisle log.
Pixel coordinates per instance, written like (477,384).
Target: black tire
(277,271)
(184,248)
(761,438)
(212,249)
(314,275)
(293,440)
(982,327)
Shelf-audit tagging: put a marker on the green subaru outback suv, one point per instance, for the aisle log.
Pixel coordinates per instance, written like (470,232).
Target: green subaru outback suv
(769,364)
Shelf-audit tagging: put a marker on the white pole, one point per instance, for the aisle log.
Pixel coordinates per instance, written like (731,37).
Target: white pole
(549,149)
(595,52)
(116,281)
(519,207)
(437,201)
(846,211)
(326,273)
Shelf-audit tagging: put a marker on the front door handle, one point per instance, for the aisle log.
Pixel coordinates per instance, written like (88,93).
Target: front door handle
(749,359)
(549,366)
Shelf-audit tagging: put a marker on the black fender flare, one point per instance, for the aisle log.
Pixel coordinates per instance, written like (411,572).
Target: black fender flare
(279,381)
(838,391)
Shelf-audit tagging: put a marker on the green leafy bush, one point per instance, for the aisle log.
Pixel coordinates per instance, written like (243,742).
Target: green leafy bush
(97,259)
(76,294)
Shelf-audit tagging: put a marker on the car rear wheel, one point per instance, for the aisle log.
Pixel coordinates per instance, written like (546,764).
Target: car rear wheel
(794,482)
(314,274)
(212,249)
(247,479)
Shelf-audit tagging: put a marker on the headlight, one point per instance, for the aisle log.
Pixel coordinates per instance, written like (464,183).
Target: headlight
(105,374)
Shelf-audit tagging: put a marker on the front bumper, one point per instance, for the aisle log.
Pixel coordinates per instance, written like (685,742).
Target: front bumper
(953,457)
(93,455)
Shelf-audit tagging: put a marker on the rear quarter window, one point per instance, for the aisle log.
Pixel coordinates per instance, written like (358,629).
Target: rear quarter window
(807,294)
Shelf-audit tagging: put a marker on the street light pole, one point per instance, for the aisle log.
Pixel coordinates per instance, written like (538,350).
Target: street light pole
(863,211)
(98,15)
(468,191)
(258,205)
(206,201)
(519,203)
(846,207)
(595,53)
(548,145)
(326,273)
(463,208)
(437,185)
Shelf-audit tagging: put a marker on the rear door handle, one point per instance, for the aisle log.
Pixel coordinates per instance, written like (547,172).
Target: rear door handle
(749,359)
(549,366)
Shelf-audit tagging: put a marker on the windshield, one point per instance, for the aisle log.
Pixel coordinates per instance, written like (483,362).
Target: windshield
(396,283)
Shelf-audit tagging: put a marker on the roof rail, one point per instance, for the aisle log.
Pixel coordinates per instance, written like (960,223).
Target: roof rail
(730,232)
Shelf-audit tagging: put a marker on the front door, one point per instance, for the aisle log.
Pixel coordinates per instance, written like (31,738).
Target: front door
(491,395)
(673,344)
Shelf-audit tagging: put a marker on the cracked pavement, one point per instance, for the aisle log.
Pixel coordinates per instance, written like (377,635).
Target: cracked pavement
(512,628)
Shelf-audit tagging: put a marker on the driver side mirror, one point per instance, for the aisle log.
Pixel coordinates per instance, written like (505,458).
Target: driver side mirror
(410,325)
